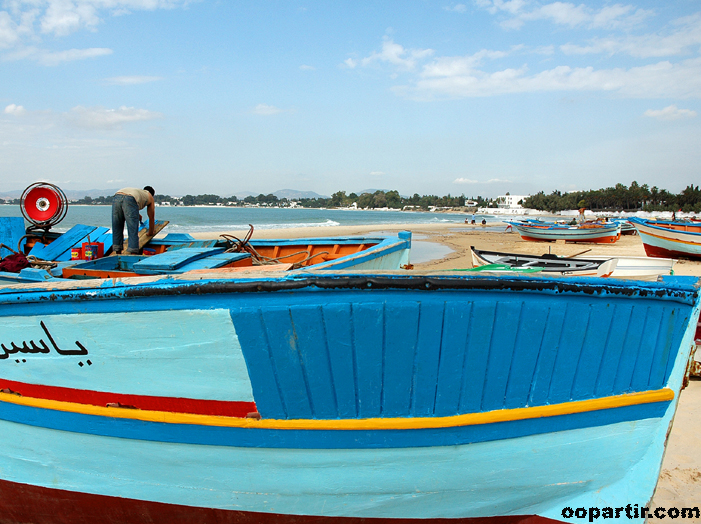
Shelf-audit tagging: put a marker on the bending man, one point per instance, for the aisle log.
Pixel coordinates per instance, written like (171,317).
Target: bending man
(125,208)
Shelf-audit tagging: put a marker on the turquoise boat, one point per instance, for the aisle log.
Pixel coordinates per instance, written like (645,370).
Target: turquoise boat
(669,239)
(338,396)
(51,253)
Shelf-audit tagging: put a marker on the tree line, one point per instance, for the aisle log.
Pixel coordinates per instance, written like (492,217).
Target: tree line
(378,199)
(619,198)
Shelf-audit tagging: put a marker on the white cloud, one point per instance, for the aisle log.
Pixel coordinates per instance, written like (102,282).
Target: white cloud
(62,18)
(55,58)
(685,37)
(670,113)
(461,65)
(71,55)
(397,55)
(452,78)
(564,13)
(307,68)
(28,19)
(377,173)
(131,80)
(101,118)
(13,109)
(266,110)
(350,62)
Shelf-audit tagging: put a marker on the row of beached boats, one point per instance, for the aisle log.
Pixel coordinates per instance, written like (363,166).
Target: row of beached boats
(316,380)
(661,238)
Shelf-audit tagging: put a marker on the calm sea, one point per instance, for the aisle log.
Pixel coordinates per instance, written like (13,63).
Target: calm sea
(214,219)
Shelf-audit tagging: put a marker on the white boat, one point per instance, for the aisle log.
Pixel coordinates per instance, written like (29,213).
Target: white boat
(548,264)
(638,268)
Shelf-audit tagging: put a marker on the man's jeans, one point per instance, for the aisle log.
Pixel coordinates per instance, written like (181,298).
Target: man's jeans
(125,209)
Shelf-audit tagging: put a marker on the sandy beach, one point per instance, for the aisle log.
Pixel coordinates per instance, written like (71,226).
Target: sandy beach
(680,479)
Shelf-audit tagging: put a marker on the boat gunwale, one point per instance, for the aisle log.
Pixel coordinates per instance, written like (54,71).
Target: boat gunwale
(685,291)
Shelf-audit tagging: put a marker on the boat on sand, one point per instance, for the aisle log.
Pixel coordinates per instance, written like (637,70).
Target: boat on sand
(214,395)
(596,233)
(548,264)
(614,266)
(299,396)
(670,239)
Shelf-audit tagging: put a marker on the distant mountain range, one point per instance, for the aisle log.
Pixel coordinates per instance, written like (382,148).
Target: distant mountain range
(293,194)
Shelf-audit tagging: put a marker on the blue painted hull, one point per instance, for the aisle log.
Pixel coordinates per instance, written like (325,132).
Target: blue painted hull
(371,397)
(669,239)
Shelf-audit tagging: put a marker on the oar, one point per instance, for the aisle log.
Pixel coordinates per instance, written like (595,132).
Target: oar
(577,254)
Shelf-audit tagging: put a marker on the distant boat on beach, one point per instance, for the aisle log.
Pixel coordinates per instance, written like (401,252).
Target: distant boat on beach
(671,239)
(548,264)
(638,268)
(597,233)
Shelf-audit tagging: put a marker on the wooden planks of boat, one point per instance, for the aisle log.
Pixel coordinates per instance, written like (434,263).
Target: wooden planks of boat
(344,397)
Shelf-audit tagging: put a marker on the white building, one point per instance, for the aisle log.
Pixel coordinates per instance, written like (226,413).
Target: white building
(510,201)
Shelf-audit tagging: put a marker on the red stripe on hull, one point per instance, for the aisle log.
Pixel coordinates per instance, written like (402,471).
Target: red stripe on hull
(660,252)
(97,398)
(22,503)
(599,240)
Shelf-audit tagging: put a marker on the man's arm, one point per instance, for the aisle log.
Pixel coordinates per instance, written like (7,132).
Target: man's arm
(151,210)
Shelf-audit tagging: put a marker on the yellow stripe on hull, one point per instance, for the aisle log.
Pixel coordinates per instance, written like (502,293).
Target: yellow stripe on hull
(469,419)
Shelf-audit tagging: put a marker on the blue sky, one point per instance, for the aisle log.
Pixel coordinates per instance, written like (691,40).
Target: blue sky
(478,97)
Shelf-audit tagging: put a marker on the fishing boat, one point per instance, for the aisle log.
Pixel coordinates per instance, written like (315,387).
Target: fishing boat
(80,252)
(627,228)
(671,239)
(548,264)
(614,266)
(639,268)
(337,396)
(597,233)
(51,256)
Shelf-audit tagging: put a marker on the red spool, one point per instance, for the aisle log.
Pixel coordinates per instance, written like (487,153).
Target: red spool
(42,204)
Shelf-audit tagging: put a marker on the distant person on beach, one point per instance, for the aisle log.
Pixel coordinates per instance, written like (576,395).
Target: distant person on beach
(473,219)
(125,208)
(580,217)
(484,222)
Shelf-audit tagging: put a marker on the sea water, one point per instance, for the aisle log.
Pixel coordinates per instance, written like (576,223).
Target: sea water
(205,219)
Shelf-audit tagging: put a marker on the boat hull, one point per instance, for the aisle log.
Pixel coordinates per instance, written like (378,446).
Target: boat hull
(53,506)
(555,266)
(639,268)
(660,241)
(370,397)
(597,235)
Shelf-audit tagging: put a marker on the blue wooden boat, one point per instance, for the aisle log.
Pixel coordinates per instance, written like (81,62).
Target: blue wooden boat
(355,397)
(669,239)
(181,253)
(596,233)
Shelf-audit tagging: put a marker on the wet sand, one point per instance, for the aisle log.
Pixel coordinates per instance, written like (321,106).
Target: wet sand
(680,479)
